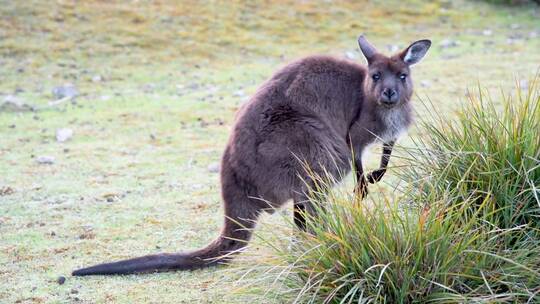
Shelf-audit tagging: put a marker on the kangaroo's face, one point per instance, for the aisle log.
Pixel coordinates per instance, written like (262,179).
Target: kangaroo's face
(388,81)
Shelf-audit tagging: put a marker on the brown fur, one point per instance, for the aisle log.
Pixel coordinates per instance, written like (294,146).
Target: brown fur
(313,110)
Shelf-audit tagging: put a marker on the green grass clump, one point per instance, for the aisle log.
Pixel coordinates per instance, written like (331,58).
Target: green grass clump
(491,149)
(390,252)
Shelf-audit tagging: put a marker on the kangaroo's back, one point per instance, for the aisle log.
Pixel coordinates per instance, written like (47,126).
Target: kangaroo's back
(322,86)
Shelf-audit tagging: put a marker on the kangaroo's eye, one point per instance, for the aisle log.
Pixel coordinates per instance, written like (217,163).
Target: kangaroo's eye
(402,76)
(376,77)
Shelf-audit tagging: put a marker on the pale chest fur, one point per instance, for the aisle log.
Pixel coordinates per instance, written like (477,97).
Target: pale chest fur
(392,123)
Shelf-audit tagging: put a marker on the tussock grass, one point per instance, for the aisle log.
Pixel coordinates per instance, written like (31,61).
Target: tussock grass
(387,253)
(491,149)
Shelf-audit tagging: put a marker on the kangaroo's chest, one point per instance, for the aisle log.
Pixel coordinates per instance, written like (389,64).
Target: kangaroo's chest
(391,124)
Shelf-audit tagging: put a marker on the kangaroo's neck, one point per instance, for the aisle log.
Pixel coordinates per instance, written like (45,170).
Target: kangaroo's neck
(387,124)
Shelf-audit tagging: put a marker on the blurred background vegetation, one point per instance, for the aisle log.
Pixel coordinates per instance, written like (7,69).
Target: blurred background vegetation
(113,116)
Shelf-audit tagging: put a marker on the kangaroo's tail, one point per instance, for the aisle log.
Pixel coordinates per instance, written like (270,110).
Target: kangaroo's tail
(236,233)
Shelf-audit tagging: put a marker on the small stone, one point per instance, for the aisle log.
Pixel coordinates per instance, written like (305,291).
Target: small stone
(193,86)
(213,168)
(448,43)
(425,83)
(13,103)
(392,48)
(97,78)
(487,32)
(74,291)
(149,88)
(239,93)
(6,191)
(61,280)
(87,235)
(67,90)
(350,55)
(449,57)
(64,134)
(45,160)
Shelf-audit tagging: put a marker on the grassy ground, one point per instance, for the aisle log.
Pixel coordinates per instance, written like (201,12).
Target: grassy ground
(159,85)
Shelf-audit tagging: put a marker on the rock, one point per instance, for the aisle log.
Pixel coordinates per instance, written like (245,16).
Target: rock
(350,55)
(6,191)
(110,198)
(97,78)
(149,88)
(511,41)
(61,280)
(239,93)
(448,43)
(64,134)
(13,103)
(213,168)
(87,235)
(449,57)
(67,90)
(425,83)
(487,32)
(193,86)
(45,160)
(392,48)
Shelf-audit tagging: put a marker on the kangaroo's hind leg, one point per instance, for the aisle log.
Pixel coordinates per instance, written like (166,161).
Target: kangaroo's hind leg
(299,212)
(303,206)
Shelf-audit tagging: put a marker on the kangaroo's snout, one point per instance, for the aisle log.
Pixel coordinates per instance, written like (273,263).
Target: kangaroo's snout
(389,97)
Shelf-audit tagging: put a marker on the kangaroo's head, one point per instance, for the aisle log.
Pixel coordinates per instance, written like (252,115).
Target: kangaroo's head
(388,82)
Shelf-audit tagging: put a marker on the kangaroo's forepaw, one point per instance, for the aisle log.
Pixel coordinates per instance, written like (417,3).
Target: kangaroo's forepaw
(375,175)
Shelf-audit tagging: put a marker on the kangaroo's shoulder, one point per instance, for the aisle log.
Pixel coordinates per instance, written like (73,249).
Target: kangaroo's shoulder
(323,64)
(319,76)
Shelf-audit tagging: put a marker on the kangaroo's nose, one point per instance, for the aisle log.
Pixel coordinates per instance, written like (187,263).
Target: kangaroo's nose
(389,93)
(389,97)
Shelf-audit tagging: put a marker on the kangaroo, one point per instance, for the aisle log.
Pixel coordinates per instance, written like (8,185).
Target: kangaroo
(318,111)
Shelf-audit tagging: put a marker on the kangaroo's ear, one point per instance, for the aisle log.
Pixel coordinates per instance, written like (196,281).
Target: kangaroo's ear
(415,52)
(367,48)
